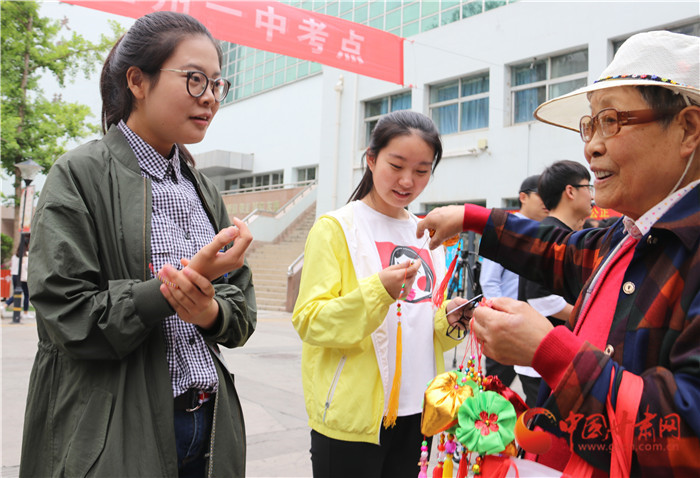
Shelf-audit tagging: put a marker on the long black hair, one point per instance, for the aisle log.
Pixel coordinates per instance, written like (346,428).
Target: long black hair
(150,41)
(397,123)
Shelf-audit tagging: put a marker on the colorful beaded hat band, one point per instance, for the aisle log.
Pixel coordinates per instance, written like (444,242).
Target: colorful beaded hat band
(644,77)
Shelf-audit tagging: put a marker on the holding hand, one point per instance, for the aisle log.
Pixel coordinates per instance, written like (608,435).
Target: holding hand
(393,277)
(509,330)
(443,223)
(190,294)
(460,311)
(211,262)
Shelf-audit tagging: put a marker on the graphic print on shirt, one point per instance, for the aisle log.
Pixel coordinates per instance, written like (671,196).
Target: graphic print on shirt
(390,254)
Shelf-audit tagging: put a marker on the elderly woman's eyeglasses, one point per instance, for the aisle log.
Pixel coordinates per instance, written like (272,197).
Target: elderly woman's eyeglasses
(197,83)
(609,121)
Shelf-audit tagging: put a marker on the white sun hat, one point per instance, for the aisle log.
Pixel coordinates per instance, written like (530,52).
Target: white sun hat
(658,58)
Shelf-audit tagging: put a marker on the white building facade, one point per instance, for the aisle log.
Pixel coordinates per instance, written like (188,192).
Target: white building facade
(479,78)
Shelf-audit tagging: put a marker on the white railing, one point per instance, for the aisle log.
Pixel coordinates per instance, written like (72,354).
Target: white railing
(252,215)
(268,187)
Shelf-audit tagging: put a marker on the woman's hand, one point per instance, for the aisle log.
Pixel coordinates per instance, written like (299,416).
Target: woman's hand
(462,315)
(509,330)
(211,262)
(393,277)
(190,294)
(443,223)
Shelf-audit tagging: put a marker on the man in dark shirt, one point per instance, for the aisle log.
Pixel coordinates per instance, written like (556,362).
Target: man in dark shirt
(566,190)
(497,281)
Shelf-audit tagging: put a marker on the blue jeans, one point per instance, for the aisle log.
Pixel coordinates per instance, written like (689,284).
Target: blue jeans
(192,433)
(25,293)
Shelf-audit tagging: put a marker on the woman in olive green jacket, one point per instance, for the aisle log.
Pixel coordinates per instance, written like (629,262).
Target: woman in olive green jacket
(100,399)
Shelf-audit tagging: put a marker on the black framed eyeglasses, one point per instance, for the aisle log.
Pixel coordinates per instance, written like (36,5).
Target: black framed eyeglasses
(197,83)
(455,332)
(591,188)
(609,121)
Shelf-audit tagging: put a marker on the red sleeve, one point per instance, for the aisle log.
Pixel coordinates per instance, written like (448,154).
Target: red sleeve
(475,218)
(555,354)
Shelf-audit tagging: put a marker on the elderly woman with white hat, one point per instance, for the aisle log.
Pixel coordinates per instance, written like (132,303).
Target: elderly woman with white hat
(624,376)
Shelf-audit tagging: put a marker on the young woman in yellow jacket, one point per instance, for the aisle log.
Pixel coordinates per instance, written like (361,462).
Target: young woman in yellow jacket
(358,261)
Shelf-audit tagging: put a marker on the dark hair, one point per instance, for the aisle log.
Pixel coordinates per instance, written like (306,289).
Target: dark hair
(589,223)
(556,177)
(397,123)
(150,41)
(608,221)
(528,186)
(663,99)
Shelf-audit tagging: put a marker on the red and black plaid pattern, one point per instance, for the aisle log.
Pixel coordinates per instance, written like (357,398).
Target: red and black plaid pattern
(655,332)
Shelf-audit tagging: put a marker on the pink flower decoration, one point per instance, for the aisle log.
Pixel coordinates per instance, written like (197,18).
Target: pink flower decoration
(487,424)
(411,295)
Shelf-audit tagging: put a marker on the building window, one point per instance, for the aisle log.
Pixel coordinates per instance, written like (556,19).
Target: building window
(230,184)
(306,174)
(689,29)
(375,109)
(259,182)
(511,204)
(536,81)
(461,105)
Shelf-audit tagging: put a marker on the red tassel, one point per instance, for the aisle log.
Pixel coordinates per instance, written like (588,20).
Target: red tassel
(495,466)
(439,294)
(463,469)
(437,471)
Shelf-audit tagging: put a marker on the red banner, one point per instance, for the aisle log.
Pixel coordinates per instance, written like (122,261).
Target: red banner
(599,213)
(279,28)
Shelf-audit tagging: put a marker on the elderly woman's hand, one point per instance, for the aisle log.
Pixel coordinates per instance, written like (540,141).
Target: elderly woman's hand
(443,223)
(509,330)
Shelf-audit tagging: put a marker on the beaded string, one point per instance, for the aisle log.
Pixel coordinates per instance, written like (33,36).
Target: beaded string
(477,347)
(641,77)
(393,406)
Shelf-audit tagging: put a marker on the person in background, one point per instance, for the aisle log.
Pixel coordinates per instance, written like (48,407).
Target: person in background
(23,283)
(360,263)
(135,281)
(14,272)
(497,281)
(629,357)
(19,279)
(566,190)
(589,223)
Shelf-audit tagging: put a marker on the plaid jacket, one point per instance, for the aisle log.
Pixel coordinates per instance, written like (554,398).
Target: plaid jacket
(655,333)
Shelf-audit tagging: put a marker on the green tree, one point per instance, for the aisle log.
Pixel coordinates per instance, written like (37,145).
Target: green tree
(33,126)
(5,248)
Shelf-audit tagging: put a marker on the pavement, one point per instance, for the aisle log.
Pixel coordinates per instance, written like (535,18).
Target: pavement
(268,381)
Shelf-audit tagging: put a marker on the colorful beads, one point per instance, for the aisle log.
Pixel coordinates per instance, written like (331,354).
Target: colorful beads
(641,77)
